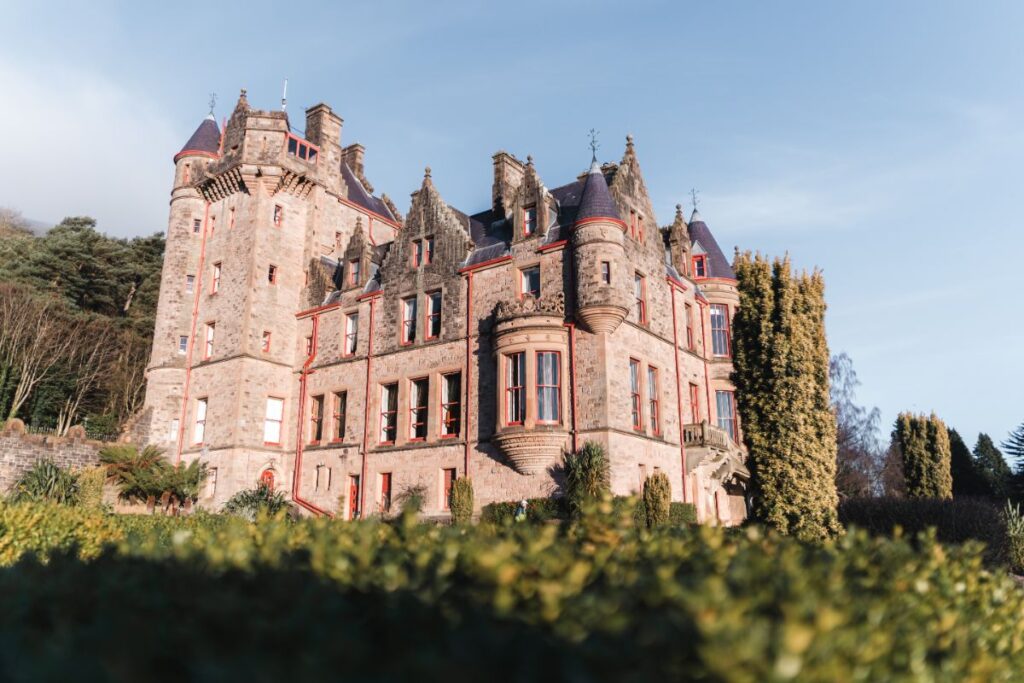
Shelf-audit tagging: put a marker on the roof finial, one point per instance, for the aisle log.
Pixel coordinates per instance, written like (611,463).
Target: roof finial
(629,139)
(426,172)
(529,160)
(593,145)
(693,195)
(213,102)
(679,211)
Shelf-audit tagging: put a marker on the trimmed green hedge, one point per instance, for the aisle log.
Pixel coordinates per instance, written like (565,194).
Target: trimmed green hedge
(538,511)
(211,598)
(680,514)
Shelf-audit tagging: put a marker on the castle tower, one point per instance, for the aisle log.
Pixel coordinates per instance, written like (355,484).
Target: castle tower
(602,278)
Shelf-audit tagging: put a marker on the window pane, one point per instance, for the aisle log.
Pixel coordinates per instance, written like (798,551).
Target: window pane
(515,371)
(450,404)
(547,386)
(719,329)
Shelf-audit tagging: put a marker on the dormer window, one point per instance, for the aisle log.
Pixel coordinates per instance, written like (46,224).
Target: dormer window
(529,220)
(353,271)
(417,253)
(297,147)
(699,266)
(428,250)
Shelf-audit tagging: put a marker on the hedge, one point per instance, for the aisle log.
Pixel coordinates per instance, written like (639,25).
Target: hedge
(538,511)
(211,598)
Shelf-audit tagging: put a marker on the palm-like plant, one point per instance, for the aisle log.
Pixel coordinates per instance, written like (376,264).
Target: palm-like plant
(45,481)
(252,503)
(587,477)
(147,475)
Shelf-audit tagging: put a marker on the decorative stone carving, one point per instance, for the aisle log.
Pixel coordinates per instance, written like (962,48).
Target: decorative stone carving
(527,305)
(531,451)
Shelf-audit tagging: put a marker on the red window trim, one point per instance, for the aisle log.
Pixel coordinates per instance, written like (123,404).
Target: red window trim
(345,353)
(450,475)
(636,395)
(265,341)
(695,403)
(209,339)
(206,401)
(428,250)
(526,223)
(446,406)
(304,149)
(557,387)
(384,412)
(653,404)
(416,255)
(354,268)
(280,430)
(316,419)
(413,408)
(727,330)
(338,415)
(702,259)
(522,281)
(642,300)
(407,331)
(429,316)
(689,327)
(519,390)
(215,279)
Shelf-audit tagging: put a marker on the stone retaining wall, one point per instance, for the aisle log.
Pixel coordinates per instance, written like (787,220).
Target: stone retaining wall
(20,450)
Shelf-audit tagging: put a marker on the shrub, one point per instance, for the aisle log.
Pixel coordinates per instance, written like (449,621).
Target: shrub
(45,481)
(587,477)
(411,499)
(657,497)
(538,511)
(148,476)
(462,501)
(90,487)
(44,528)
(253,503)
(955,520)
(1014,537)
(681,514)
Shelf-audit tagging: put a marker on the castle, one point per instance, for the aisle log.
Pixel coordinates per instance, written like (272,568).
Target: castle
(311,337)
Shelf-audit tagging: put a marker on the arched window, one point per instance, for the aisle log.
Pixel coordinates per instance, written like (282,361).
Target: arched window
(267,478)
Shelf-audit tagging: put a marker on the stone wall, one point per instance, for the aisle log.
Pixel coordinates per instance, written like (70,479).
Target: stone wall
(20,450)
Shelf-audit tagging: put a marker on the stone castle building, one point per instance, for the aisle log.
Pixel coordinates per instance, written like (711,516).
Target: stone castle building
(310,336)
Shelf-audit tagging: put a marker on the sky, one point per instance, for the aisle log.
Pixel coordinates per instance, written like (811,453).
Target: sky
(881,142)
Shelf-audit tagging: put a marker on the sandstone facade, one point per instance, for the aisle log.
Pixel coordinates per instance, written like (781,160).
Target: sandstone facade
(310,336)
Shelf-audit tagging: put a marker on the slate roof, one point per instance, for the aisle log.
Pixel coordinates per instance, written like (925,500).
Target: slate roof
(717,265)
(205,139)
(358,195)
(596,200)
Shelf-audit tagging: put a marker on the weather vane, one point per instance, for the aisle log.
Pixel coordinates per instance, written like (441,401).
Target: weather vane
(213,101)
(693,195)
(593,144)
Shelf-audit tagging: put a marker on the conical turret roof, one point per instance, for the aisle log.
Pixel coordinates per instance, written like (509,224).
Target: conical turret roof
(206,140)
(596,201)
(716,263)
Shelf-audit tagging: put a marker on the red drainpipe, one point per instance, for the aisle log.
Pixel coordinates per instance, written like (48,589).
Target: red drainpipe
(366,410)
(297,475)
(469,368)
(192,338)
(679,395)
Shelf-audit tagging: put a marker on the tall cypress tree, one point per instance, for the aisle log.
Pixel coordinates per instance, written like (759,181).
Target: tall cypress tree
(781,364)
(923,443)
(992,467)
(967,476)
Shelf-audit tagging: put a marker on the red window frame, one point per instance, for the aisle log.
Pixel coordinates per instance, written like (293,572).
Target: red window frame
(354,268)
(211,333)
(302,149)
(695,403)
(451,409)
(529,226)
(428,250)
(316,419)
(636,400)
(388,414)
(419,408)
(409,306)
(354,497)
(555,389)
(385,492)
(722,334)
(272,274)
(446,492)
(351,334)
(200,421)
(640,228)
(215,280)
(267,478)
(265,346)
(689,327)
(524,282)
(417,253)
(606,272)
(278,215)
(653,404)
(339,408)
(433,315)
(515,394)
(639,281)
(700,267)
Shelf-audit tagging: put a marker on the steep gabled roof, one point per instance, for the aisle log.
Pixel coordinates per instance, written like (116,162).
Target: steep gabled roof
(596,201)
(206,140)
(358,195)
(716,263)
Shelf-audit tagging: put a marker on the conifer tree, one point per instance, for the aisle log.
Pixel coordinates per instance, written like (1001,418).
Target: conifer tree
(967,476)
(923,443)
(1014,447)
(992,467)
(781,364)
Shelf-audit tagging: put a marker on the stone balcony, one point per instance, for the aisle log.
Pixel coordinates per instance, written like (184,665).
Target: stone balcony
(710,448)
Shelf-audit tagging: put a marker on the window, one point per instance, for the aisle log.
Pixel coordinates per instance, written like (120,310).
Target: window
(231,218)
(419,390)
(186,174)
(213,224)
(297,147)
(354,496)
(640,293)
(197,225)
(323,477)
(215,285)
(448,477)
(190,283)
(211,482)
(385,492)
(433,315)
(354,267)
(351,333)
(265,347)
(699,266)
(337,240)
(172,433)
(640,228)
(606,272)
(208,349)
(451,408)
(529,220)
(548,386)
(409,320)
(182,344)
(694,404)
(634,392)
(199,431)
(689,327)
(515,397)
(428,250)
(316,419)
(720,329)
(340,409)
(417,253)
(272,420)
(278,215)
(272,274)
(652,399)
(529,281)
(388,413)
(726,409)
(309,346)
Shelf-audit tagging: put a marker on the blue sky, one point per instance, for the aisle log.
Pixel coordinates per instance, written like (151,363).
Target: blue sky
(880,141)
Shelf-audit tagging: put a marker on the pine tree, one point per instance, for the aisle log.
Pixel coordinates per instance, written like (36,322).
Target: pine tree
(782,388)
(967,476)
(992,467)
(923,443)
(1014,447)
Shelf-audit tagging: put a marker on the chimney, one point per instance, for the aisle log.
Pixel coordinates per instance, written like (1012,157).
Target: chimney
(323,126)
(508,176)
(352,156)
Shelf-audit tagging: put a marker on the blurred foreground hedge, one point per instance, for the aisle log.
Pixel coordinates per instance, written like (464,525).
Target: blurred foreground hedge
(211,598)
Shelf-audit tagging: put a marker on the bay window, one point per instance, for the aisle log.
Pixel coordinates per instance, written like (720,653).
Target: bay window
(515,397)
